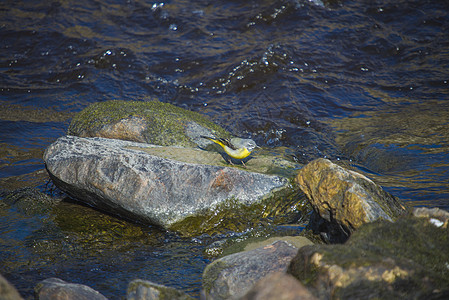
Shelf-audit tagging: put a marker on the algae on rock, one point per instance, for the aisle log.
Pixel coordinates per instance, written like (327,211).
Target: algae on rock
(151,122)
(286,205)
(382,259)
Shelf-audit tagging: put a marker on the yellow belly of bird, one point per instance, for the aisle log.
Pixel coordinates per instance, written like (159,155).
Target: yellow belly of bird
(238,153)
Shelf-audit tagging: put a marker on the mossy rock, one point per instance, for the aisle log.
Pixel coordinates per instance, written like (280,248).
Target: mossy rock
(151,122)
(143,289)
(385,260)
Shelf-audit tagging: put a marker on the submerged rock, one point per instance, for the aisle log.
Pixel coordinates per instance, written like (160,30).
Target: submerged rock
(167,186)
(55,288)
(345,199)
(146,290)
(407,259)
(256,238)
(239,244)
(296,241)
(30,201)
(232,276)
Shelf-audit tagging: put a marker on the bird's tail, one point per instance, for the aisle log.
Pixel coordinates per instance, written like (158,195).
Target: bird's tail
(217,141)
(206,137)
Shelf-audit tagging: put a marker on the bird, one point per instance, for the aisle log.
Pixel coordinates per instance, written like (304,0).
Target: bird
(237,148)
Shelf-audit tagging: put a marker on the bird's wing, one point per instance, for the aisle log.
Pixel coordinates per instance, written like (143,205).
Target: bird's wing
(227,143)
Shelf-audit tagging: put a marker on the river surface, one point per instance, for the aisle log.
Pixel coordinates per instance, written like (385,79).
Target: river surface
(363,82)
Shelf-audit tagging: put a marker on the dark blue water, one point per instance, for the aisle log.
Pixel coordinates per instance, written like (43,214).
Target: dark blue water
(363,82)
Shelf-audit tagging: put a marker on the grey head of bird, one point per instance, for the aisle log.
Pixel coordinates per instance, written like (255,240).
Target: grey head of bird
(249,144)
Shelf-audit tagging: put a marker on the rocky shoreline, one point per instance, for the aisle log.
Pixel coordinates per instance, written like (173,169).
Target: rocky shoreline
(146,162)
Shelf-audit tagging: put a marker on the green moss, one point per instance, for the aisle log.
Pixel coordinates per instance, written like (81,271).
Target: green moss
(412,245)
(285,205)
(166,123)
(86,231)
(411,238)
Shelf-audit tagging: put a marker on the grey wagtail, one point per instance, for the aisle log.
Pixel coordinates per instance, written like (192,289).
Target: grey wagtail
(236,147)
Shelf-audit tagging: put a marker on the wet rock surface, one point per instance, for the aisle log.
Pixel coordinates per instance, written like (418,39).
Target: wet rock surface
(121,178)
(55,288)
(232,276)
(343,200)
(145,290)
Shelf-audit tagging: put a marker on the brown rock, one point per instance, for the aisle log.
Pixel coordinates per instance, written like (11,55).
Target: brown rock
(8,291)
(279,286)
(345,199)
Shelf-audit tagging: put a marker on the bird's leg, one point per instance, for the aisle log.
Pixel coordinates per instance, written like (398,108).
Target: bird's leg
(243,163)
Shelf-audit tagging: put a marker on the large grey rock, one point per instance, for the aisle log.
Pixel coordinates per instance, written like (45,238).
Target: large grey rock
(144,182)
(55,288)
(345,199)
(232,276)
